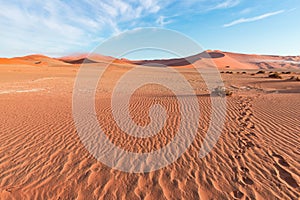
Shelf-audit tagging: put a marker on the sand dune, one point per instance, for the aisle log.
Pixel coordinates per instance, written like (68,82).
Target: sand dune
(87,58)
(42,156)
(223,60)
(228,60)
(37,60)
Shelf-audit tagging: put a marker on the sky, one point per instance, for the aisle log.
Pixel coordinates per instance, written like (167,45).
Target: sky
(62,27)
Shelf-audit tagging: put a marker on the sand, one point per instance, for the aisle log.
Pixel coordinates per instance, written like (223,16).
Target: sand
(42,156)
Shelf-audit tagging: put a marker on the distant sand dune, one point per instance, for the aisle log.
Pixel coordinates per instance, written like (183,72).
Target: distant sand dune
(223,60)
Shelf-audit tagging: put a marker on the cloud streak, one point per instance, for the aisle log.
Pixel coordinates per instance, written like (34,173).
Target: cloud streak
(161,21)
(252,19)
(225,4)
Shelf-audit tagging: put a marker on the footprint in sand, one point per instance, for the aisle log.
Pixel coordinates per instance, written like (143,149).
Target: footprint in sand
(249,144)
(279,164)
(252,126)
(244,169)
(244,113)
(286,176)
(237,194)
(247,181)
(279,159)
(251,134)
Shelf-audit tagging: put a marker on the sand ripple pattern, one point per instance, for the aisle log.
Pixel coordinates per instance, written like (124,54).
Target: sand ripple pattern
(256,157)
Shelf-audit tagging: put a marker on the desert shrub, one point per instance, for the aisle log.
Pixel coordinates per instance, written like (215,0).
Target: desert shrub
(244,72)
(227,66)
(229,72)
(295,78)
(221,91)
(260,72)
(222,72)
(274,75)
(253,74)
(286,72)
(228,92)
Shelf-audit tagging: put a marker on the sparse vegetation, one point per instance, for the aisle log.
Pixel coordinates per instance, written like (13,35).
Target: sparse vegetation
(275,75)
(221,91)
(286,72)
(260,72)
(295,78)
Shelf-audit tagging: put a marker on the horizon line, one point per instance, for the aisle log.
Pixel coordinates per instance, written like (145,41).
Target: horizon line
(162,58)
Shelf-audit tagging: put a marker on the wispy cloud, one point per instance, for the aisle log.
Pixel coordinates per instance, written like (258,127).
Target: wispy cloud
(245,11)
(162,20)
(225,4)
(252,19)
(57,27)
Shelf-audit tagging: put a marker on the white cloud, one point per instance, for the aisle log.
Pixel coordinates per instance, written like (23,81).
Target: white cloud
(55,26)
(252,19)
(161,20)
(60,27)
(225,4)
(150,5)
(246,11)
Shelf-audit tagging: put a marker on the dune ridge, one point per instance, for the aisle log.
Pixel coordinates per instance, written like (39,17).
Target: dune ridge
(222,59)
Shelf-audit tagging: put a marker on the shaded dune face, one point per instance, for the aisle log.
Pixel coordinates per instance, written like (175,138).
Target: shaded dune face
(42,156)
(180,61)
(79,61)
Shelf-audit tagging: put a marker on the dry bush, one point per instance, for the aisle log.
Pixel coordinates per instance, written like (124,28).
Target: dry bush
(221,91)
(275,75)
(295,78)
(260,72)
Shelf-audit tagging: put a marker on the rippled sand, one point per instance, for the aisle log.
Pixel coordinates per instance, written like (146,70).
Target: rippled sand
(42,157)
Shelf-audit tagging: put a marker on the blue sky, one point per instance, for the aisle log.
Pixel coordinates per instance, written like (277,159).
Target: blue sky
(61,27)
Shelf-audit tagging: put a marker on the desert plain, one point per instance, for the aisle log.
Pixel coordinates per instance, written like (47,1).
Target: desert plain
(256,157)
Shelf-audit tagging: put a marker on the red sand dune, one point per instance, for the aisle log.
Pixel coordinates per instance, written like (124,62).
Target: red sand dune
(227,60)
(39,60)
(223,60)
